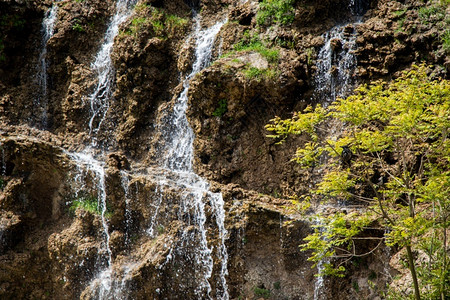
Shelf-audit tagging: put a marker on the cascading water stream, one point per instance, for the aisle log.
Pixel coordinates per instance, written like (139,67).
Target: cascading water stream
(177,164)
(176,132)
(320,283)
(336,64)
(178,139)
(335,77)
(85,163)
(99,100)
(3,170)
(41,100)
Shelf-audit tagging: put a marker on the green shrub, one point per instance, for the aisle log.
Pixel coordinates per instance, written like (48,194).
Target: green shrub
(77,26)
(256,73)
(163,24)
(445,39)
(89,203)
(221,109)
(261,292)
(253,43)
(277,285)
(431,14)
(275,11)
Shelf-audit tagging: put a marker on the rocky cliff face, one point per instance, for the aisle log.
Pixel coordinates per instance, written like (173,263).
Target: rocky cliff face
(87,209)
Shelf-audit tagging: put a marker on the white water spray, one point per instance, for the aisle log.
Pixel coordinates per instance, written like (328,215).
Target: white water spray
(336,64)
(99,100)
(178,139)
(176,132)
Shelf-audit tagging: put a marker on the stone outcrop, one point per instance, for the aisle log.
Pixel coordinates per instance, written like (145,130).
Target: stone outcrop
(230,101)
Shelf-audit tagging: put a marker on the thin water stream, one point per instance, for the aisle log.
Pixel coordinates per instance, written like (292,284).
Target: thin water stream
(99,99)
(41,100)
(335,77)
(177,138)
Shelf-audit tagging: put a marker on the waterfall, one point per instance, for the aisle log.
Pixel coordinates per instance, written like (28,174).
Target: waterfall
(336,64)
(99,100)
(335,77)
(320,283)
(87,165)
(359,7)
(175,130)
(41,100)
(178,139)
(125,181)
(3,170)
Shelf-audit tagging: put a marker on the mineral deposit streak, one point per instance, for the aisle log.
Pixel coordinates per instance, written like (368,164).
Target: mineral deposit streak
(41,100)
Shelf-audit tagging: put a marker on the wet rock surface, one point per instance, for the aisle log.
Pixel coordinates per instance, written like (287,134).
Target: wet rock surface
(43,233)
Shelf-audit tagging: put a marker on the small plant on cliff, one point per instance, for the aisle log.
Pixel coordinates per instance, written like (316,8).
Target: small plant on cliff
(258,74)
(261,292)
(163,25)
(393,160)
(77,26)
(445,38)
(276,11)
(89,203)
(253,43)
(221,109)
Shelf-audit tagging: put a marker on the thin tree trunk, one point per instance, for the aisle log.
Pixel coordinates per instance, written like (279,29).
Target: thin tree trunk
(412,268)
(444,267)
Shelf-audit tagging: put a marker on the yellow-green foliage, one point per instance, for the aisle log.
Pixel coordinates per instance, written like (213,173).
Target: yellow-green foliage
(399,136)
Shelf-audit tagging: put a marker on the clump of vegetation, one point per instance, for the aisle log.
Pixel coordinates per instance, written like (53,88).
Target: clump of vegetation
(431,14)
(258,74)
(277,285)
(445,39)
(77,26)
(261,292)
(396,165)
(90,204)
(276,11)
(253,43)
(2,183)
(163,25)
(221,109)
